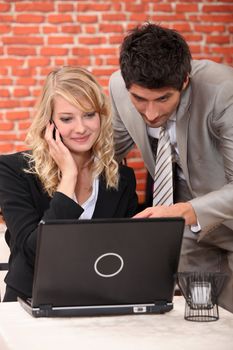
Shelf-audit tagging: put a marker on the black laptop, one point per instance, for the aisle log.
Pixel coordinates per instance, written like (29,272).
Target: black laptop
(105,267)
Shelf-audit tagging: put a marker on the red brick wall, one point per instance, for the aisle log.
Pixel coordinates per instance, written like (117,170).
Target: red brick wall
(36,36)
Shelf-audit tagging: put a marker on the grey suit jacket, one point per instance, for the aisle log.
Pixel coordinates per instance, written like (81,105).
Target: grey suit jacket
(204,129)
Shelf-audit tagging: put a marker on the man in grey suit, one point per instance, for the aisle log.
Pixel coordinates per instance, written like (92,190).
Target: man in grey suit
(159,85)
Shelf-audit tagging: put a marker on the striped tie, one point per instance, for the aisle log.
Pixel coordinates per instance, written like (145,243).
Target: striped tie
(163,182)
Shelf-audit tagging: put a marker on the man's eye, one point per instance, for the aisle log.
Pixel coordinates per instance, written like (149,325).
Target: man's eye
(163,98)
(139,99)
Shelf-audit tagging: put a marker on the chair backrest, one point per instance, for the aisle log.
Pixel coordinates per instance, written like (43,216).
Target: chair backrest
(4,255)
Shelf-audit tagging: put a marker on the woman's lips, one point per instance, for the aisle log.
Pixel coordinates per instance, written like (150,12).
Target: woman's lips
(80,139)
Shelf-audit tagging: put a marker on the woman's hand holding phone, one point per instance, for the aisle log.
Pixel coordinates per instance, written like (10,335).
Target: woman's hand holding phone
(63,158)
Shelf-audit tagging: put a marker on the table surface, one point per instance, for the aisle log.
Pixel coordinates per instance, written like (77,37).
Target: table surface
(19,330)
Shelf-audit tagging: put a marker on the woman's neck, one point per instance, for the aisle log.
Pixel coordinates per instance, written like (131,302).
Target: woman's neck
(82,160)
(83,188)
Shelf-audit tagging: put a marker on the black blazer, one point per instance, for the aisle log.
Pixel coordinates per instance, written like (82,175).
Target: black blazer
(24,204)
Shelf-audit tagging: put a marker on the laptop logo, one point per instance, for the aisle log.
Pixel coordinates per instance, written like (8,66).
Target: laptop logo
(108,265)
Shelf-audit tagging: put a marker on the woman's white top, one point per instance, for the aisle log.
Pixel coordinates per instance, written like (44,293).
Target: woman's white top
(89,205)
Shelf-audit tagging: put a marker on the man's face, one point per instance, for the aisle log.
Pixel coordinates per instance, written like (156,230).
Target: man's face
(155,105)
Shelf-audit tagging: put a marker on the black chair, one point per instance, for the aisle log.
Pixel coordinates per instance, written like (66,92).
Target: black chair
(3,265)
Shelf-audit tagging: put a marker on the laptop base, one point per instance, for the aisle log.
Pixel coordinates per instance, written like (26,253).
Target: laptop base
(74,311)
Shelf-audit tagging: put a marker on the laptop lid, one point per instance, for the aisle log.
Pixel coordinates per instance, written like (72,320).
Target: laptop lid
(113,262)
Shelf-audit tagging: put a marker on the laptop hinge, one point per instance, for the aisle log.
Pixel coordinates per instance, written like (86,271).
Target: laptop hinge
(161,302)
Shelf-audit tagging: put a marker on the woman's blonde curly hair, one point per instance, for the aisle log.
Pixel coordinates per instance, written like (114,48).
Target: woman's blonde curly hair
(80,88)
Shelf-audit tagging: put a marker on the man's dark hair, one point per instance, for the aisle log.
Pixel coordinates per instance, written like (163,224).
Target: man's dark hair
(154,57)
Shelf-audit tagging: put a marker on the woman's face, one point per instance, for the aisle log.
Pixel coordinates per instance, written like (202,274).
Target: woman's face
(79,130)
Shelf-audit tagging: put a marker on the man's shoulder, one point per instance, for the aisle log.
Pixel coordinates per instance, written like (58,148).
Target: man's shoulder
(116,80)
(116,75)
(210,72)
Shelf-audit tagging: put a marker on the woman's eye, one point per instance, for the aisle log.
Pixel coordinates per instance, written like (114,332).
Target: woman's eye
(65,119)
(89,115)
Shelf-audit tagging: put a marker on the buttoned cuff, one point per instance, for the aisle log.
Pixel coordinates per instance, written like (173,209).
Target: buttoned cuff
(195,228)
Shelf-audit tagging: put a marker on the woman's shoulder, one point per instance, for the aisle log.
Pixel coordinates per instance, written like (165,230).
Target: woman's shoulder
(15,160)
(126,172)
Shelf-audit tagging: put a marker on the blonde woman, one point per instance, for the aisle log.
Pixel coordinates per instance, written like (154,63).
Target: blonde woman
(69,172)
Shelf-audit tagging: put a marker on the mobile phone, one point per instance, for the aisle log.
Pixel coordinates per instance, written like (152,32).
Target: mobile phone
(54,130)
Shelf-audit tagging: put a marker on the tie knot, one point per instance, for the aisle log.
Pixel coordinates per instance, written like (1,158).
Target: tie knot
(163,129)
(163,134)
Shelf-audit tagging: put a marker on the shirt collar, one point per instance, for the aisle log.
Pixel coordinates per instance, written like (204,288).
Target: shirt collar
(154,132)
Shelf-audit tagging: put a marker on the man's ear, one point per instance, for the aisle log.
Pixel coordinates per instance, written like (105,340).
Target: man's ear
(185,83)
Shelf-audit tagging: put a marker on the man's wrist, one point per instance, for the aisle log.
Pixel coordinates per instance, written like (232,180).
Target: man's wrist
(187,212)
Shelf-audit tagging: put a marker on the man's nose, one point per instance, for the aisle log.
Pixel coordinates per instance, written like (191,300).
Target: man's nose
(151,111)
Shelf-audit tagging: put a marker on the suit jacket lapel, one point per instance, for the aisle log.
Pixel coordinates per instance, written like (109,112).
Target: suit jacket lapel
(138,132)
(108,200)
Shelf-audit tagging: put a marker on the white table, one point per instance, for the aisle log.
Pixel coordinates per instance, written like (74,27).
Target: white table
(19,330)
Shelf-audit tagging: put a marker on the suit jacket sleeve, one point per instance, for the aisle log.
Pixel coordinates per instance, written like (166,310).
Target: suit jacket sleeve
(217,206)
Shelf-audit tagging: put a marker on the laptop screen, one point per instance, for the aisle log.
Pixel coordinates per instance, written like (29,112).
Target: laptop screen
(101,262)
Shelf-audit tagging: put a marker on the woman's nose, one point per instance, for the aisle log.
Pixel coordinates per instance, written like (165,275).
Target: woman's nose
(80,126)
